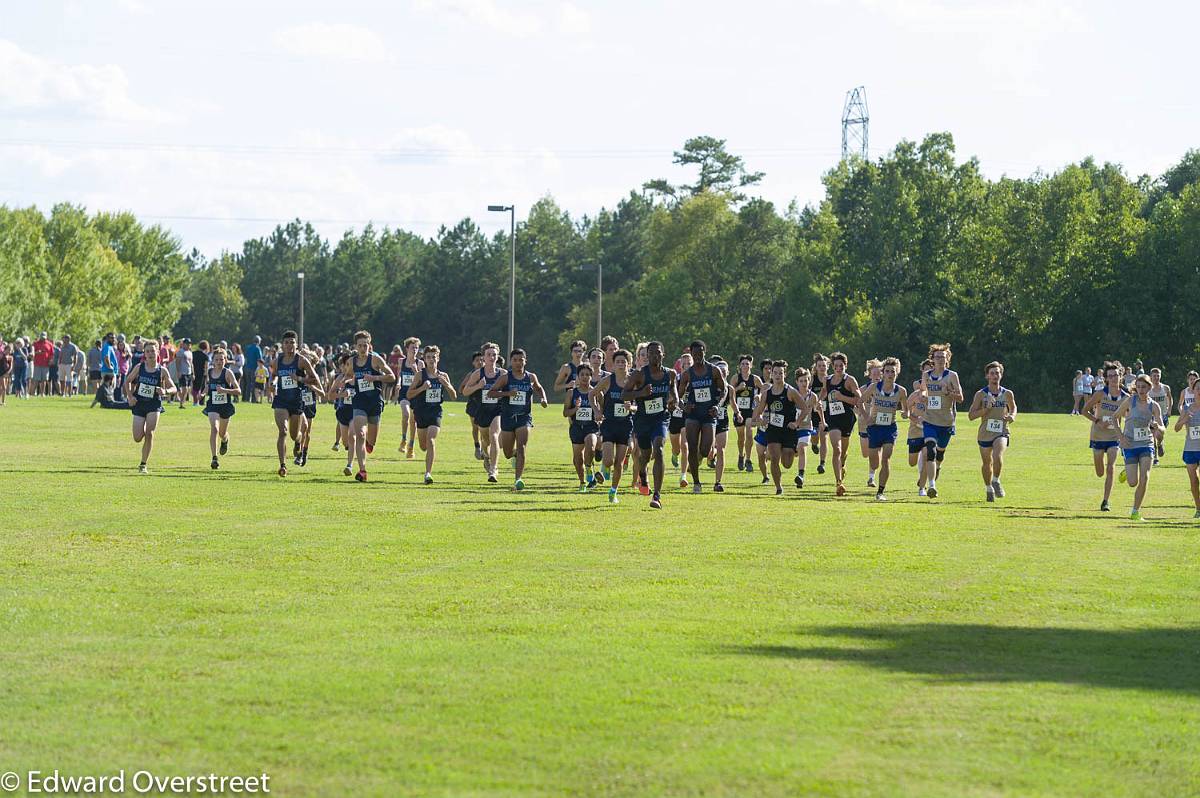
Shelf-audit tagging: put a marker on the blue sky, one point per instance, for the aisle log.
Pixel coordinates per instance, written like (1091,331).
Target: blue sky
(220,119)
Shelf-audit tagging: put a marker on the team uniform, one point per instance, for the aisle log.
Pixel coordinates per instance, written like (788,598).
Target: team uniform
(583,423)
(146,393)
(343,409)
(218,402)
(1137,439)
(617,427)
(1102,437)
(517,410)
(837,415)
(427,405)
(1191,441)
(489,407)
(992,425)
(287,386)
(916,428)
(368,399)
(940,411)
(880,417)
(651,419)
(780,412)
(308,402)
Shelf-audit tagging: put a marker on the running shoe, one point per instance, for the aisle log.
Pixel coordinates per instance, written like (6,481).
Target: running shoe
(283,471)
(591,482)
(656,503)
(991,493)
(870,480)
(779,490)
(492,478)
(1160,449)
(718,487)
(712,463)
(820,468)
(932,492)
(429,479)
(1122,477)
(741,463)
(799,481)
(602,476)
(478,453)
(765,480)
(1104,508)
(224,447)
(597,456)
(519,485)
(996,486)
(582,488)
(361,476)
(880,497)
(296,460)
(1135,515)
(409,455)
(674,461)
(612,495)
(304,457)
(215,464)
(643,488)
(683,483)
(336,446)
(816,449)
(347,470)
(142,469)
(841,490)
(749,467)
(370,447)
(696,488)
(296,449)
(921,492)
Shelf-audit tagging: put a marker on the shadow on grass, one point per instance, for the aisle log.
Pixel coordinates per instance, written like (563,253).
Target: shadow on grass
(1145,659)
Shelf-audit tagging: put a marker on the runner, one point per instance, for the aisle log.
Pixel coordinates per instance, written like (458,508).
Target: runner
(653,387)
(584,428)
(1078,392)
(220,386)
(473,401)
(996,408)
(872,375)
(1142,416)
(341,392)
(1160,393)
(565,379)
(746,386)
(760,434)
(152,384)
(777,410)
(943,392)
(616,426)
(820,443)
(487,417)
(1104,438)
(183,368)
(371,373)
(703,390)
(425,394)
(288,369)
(1188,395)
(394,393)
(812,418)
(726,408)
(840,396)
(609,346)
(883,399)
(516,388)
(916,428)
(409,366)
(1189,419)
(679,443)
(308,404)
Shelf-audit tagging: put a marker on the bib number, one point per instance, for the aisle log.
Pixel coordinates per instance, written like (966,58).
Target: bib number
(775,419)
(519,398)
(219,398)
(1194,433)
(654,405)
(287,383)
(883,419)
(146,390)
(934,402)
(488,400)
(406,380)
(620,410)
(995,425)
(836,408)
(433,396)
(308,398)
(743,403)
(365,385)
(1141,433)
(1106,420)
(703,395)
(583,414)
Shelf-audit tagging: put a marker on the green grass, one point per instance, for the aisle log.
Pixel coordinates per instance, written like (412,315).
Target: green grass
(394,639)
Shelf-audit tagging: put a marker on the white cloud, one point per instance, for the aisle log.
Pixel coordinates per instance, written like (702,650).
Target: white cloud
(338,41)
(29,82)
(563,17)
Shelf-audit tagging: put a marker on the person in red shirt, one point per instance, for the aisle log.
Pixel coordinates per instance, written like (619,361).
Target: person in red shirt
(43,359)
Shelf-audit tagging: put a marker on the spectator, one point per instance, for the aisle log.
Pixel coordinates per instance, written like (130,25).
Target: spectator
(66,365)
(109,365)
(94,356)
(43,359)
(78,372)
(200,365)
(20,369)
(1089,381)
(254,356)
(185,371)
(5,369)
(1077,391)
(238,366)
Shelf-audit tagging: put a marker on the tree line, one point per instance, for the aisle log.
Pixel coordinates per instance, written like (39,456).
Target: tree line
(1047,273)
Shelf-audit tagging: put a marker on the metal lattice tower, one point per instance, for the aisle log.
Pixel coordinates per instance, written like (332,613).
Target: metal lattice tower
(855,121)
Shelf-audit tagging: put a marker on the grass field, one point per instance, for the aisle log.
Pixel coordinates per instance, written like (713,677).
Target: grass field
(395,639)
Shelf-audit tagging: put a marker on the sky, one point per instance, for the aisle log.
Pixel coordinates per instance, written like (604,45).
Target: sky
(221,119)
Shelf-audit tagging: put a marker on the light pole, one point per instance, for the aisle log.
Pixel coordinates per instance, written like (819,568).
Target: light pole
(301,331)
(512,288)
(599,267)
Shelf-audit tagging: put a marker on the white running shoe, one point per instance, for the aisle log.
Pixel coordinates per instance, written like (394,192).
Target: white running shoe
(921,492)
(999,490)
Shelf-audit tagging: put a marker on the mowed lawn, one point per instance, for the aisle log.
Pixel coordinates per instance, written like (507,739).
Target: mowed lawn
(459,639)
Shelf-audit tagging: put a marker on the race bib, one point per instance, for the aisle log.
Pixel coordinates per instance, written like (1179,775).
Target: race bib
(620,410)
(836,408)
(287,383)
(1194,433)
(677,412)
(883,419)
(350,391)
(220,398)
(488,400)
(995,425)
(433,396)
(654,405)
(934,402)
(583,414)
(365,384)
(722,412)
(775,419)
(703,395)
(146,390)
(308,398)
(1141,433)
(519,398)
(1105,419)
(406,380)
(743,403)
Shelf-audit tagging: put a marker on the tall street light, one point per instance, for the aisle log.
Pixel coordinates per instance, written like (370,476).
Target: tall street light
(512,288)
(301,276)
(599,267)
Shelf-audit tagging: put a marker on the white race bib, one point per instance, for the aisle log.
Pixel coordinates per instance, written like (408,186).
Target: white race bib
(704,394)
(722,411)
(365,384)
(146,390)
(308,398)
(287,383)
(1105,419)
(743,402)
(883,419)
(406,380)
(220,398)
(518,398)
(654,405)
(1141,433)
(836,408)
(433,396)
(1194,433)
(620,410)
(775,419)
(677,412)
(995,425)
(583,414)
(488,400)
(934,402)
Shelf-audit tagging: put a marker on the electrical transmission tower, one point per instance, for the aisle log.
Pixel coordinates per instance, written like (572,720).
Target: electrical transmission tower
(855,121)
